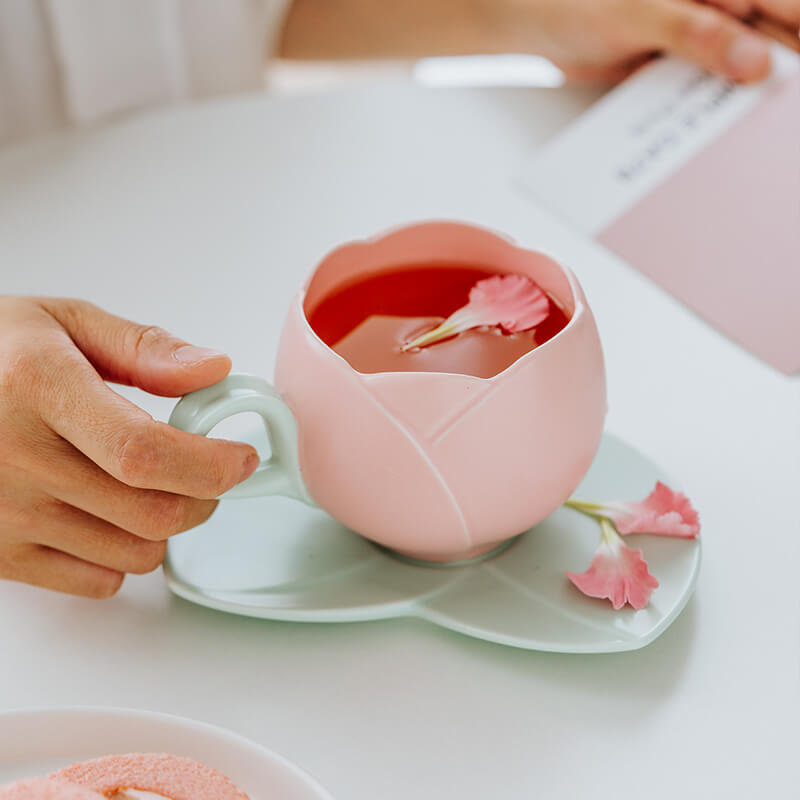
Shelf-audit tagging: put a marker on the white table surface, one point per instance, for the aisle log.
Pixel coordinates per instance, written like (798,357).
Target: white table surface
(205,221)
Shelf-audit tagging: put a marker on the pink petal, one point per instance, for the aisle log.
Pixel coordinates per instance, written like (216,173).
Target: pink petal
(514,302)
(618,573)
(663,512)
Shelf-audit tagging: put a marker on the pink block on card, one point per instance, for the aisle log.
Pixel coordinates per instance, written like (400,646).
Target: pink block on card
(723,232)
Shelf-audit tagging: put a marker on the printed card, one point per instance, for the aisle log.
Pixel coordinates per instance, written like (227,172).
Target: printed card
(695,182)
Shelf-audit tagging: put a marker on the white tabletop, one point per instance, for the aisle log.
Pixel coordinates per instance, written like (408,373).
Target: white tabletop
(205,221)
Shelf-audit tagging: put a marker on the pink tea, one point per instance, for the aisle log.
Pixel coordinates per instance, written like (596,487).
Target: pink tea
(369,321)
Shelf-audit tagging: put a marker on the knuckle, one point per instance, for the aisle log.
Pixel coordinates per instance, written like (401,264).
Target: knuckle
(19,371)
(50,508)
(21,516)
(13,563)
(35,513)
(701,27)
(220,477)
(142,337)
(69,309)
(72,314)
(31,510)
(136,456)
(29,350)
(164,516)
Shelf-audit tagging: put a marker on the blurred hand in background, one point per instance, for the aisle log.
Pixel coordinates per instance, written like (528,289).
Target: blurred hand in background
(597,40)
(80,61)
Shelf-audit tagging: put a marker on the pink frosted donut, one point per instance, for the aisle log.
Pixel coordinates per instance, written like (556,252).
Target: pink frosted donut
(172,776)
(46,789)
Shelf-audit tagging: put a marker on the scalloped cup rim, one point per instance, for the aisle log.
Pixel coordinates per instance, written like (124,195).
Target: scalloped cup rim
(579,306)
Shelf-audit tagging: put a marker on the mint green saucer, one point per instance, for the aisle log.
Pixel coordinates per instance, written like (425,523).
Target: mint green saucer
(279,559)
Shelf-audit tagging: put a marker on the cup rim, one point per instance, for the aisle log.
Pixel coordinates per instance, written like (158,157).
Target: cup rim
(579,310)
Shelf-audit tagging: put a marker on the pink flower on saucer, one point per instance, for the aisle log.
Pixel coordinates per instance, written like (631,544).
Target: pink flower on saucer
(617,572)
(663,512)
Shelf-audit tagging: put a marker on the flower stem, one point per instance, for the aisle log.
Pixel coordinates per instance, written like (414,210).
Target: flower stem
(583,505)
(592,510)
(442,332)
(609,532)
(595,511)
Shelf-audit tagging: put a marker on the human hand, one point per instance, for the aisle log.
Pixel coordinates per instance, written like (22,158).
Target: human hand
(596,40)
(90,485)
(605,39)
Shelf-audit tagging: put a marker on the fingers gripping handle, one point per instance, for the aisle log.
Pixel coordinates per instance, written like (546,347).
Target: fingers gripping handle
(200,411)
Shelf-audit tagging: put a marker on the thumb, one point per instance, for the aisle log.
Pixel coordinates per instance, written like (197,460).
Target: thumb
(710,38)
(137,355)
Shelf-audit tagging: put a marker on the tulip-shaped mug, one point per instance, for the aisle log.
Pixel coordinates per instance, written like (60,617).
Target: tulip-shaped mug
(436,466)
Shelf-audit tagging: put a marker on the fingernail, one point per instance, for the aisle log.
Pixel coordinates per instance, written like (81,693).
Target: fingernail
(189,354)
(747,56)
(250,465)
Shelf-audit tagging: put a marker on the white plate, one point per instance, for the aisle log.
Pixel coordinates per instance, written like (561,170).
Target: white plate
(278,559)
(37,742)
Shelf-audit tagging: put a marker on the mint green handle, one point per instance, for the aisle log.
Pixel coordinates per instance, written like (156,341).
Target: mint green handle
(200,411)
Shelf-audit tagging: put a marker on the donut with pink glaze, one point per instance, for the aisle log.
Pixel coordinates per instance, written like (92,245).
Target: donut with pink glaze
(171,776)
(46,789)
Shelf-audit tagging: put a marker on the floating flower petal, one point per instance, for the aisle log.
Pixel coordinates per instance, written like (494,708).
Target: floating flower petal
(514,302)
(617,572)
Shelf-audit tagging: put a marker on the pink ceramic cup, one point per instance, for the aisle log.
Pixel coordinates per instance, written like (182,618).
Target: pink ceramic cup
(439,467)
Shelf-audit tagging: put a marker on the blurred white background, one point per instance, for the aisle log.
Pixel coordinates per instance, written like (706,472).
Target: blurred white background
(291,76)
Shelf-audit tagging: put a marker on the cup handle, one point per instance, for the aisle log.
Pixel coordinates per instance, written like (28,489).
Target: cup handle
(200,411)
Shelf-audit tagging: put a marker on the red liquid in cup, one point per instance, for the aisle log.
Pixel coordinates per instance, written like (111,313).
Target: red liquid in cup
(368,322)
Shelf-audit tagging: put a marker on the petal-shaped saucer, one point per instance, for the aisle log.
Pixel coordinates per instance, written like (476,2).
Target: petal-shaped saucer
(278,559)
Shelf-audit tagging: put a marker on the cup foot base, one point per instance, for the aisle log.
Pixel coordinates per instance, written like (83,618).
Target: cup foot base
(474,556)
